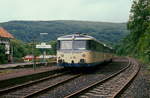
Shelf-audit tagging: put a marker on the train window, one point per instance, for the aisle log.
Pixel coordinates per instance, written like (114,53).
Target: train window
(99,47)
(79,44)
(58,45)
(66,44)
(69,44)
(93,45)
(96,46)
(107,50)
(88,45)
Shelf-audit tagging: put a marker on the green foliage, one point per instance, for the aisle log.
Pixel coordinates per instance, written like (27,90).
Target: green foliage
(18,48)
(137,43)
(110,33)
(54,46)
(3,57)
(21,49)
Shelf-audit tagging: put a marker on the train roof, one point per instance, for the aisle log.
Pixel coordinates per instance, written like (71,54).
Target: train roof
(80,37)
(75,37)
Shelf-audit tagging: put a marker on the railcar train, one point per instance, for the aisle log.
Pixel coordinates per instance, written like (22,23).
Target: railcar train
(80,50)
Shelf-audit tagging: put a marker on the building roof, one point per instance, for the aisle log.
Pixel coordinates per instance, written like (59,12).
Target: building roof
(4,33)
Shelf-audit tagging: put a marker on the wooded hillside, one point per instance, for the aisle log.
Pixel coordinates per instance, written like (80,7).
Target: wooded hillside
(25,30)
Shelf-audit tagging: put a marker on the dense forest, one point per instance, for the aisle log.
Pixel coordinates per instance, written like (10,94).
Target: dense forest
(110,33)
(137,43)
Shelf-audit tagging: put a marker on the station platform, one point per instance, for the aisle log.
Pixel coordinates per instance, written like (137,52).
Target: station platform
(4,66)
(14,65)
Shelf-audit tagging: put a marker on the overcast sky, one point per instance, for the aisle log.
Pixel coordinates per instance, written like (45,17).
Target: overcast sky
(91,10)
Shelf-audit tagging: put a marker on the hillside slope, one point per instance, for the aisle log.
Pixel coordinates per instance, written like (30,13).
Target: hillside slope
(110,33)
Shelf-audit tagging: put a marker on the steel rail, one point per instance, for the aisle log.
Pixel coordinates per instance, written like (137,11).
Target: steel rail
(3,91)
(117,94)
(51,86)
(99,82)
(33,73)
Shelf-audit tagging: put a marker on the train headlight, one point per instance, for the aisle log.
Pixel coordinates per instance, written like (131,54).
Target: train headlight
(62,55)
(59,61)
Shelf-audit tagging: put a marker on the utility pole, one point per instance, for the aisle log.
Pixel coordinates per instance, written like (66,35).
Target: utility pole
(44,52)
(12,52)
(33,54)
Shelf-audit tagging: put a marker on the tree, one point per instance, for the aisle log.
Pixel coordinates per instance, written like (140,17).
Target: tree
(3,57)
(139,19)
(52,51)
(138,41)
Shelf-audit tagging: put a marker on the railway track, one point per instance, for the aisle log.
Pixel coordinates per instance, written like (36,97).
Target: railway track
(84,80)
(24,76)
(109,87)
(32,88)
(28,83)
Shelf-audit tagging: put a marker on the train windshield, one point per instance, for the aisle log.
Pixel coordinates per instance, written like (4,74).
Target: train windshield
(79,44)
(66,44)
(76,44)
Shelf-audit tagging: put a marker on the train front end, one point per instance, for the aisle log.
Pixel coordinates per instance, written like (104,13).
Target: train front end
(72,51)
